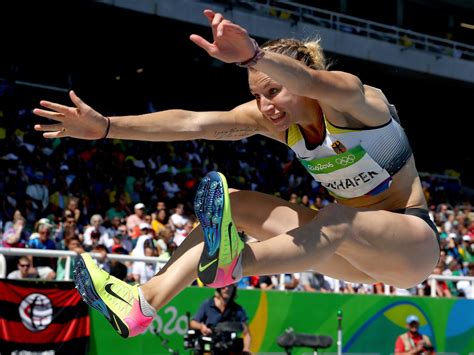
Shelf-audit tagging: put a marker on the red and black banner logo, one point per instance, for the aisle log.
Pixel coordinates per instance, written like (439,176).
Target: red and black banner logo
(42,316)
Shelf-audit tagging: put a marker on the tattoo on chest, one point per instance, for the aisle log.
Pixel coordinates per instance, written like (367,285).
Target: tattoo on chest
(235,132)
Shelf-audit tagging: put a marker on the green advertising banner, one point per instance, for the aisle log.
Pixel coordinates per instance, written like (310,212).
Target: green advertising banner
(370,323)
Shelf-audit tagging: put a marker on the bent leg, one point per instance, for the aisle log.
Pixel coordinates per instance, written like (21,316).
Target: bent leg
(272,217)
(396,249)
(275,216)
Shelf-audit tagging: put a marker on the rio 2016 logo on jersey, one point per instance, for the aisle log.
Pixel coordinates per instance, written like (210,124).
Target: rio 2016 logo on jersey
(319,167)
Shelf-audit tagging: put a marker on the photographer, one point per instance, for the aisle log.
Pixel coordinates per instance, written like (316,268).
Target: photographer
(412,342)
(219,309)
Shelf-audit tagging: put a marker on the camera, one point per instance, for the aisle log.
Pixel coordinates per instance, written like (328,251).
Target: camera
(223,340)
(428,347)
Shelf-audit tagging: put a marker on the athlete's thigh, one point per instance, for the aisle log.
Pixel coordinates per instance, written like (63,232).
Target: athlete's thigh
(394,248)
(263,216)
(339,268)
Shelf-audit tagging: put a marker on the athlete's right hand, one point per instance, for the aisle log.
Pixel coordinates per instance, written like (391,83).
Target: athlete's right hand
(81,121)
(231,42)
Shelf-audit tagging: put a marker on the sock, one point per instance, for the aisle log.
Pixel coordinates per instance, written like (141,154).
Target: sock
(147,309)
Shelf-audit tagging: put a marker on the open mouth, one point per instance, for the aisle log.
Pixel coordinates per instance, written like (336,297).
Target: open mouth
(277,118)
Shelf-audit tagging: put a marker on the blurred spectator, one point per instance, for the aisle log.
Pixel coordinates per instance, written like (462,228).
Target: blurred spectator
(465,288)
(442,289)
(313,282)
(177,221)
(319,203)
(171,187)
(452,248)
(267,282)
(14,235)
(181,234)
(378,288)
(467,249)
(144,271)
(138,249)
(335,285)
(134,220)
(96,233)
(72,244)
(305,201)
(159,220)
(122,240)
(291,281)
(27,271)
(73,209)
(17,214)
(294,198)
(248,282)
(113,226)
(160,205)
(59,199)
(119,209)
(163,241)
(41,222)
(43,241)
(102,261)
(69,230)
(38,191)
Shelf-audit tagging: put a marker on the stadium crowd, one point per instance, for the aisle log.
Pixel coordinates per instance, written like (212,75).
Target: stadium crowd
(115,196)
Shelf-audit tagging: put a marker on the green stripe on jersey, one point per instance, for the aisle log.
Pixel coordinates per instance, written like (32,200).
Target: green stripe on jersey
(334,162)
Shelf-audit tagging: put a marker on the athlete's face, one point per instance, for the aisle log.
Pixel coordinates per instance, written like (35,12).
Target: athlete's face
(274,101)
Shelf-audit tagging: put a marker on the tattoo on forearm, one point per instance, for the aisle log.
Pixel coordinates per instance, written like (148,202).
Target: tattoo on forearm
(236,132)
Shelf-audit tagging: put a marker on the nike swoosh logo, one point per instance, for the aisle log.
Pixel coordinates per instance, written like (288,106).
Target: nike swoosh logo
(229,230)
(204,267)
(108,289)
(116,324)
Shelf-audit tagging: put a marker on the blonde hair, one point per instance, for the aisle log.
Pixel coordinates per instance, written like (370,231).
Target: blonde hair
(308,52)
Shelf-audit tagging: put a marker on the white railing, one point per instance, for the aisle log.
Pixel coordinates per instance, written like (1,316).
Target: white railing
(159,262)
(407,39)
(433,278)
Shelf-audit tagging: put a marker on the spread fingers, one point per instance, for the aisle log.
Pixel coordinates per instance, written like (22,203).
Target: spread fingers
(49,114)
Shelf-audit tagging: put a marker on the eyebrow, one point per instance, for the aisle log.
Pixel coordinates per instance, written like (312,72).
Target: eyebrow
(266,83)
(264,86)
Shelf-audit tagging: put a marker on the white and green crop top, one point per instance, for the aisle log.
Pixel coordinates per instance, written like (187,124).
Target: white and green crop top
(351,163)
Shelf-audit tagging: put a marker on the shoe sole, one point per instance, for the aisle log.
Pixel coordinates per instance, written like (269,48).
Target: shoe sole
(209,208)
(86,289)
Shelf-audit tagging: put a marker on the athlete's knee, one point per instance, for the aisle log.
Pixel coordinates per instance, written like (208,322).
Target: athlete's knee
(412,275)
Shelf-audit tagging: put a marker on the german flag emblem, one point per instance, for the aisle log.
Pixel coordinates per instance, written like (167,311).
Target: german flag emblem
(338,147)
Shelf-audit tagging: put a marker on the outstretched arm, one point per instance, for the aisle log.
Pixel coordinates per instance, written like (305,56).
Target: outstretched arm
(342,91)
(232,44)
(83,122)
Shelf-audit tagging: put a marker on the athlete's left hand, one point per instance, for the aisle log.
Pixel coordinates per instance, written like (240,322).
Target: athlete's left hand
(232,42)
